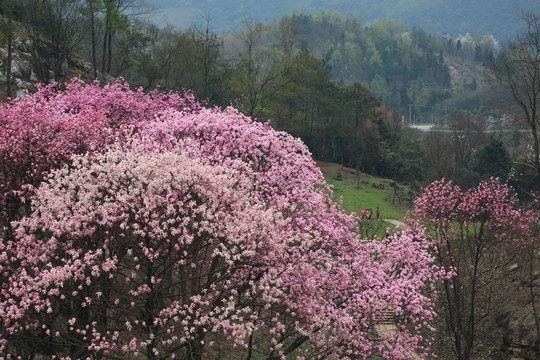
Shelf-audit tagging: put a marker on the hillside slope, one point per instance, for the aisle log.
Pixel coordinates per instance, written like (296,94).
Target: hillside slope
(497,17)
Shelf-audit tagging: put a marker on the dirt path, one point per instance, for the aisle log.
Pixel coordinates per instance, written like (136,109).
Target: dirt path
(388,329)
(397,223)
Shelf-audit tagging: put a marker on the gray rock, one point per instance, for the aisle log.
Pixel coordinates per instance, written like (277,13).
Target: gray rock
(21,68)
(22,85)
(23,46)
(512,267)
(15,69)
(519,330)
(33,77)
(65,68)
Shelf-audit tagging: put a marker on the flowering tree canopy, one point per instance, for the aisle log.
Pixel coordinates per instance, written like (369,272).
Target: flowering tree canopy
(166,230)
(42,131)
(475,236)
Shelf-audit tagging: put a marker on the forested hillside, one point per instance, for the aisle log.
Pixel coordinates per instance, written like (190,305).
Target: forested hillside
(497,17)
(346,89)
(423,76)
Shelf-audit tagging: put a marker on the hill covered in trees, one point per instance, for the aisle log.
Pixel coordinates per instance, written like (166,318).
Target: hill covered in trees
(497,17)
(346,89)
(416,74)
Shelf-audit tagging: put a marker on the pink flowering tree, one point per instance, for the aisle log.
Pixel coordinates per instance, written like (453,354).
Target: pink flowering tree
(196,233)
(525,271)
(476,234)
(41,132)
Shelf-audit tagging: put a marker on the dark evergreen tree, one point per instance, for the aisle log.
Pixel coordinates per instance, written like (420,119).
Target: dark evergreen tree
(493,160)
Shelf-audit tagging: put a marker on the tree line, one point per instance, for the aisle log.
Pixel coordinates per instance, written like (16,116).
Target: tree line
(261,69)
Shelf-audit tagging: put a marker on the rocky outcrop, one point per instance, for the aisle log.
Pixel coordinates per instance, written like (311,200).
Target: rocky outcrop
(24,75)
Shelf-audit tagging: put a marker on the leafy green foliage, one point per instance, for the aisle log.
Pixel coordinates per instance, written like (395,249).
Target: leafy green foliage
(402,66)
(493,160)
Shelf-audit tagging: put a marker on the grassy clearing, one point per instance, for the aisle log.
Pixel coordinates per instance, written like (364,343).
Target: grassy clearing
(367,191)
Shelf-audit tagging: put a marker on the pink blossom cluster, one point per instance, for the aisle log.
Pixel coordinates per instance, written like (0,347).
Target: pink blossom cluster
(477,235)
(487,214)
(491,206)
(41,132)
(454,76)
(146,226)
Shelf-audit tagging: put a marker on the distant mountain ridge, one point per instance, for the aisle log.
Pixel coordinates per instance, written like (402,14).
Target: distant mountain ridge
(497,17)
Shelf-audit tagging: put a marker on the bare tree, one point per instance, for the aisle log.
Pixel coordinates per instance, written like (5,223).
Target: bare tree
(117,18)
(284,36)
(56,29)
(257,70)
(91,10)
(517,70)
(466,138)
(7,29)
(452,154)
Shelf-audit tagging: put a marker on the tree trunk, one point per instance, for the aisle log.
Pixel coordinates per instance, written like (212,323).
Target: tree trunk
(109,51)
(105,37)
(536,153)
(8,65)
(93,35)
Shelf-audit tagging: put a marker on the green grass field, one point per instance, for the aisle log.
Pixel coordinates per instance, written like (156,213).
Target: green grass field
(366,192)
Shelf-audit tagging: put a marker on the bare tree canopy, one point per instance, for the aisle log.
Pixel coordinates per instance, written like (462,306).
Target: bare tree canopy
(517,69)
